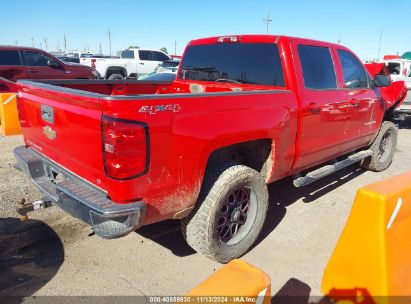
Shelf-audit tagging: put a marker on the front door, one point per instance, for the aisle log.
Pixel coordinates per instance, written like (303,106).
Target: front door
(364,106)
(38,67)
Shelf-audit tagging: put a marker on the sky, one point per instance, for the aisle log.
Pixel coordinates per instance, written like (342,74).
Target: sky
(156,24)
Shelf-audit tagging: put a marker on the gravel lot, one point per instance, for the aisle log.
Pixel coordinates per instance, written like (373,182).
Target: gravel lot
(54,254)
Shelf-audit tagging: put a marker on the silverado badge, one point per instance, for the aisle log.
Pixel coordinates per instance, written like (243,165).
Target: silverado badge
(49,132)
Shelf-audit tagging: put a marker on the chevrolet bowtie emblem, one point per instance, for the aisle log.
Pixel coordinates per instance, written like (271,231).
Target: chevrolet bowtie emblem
(49,132)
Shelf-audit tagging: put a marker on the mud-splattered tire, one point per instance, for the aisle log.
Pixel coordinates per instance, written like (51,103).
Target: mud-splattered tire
(229,215)
(383,147)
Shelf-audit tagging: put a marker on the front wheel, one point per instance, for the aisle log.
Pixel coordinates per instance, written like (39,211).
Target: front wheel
(383,147)
(230,214)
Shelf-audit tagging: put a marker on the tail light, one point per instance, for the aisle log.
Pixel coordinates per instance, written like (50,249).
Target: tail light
(93,63)
(229,39)
(125,148)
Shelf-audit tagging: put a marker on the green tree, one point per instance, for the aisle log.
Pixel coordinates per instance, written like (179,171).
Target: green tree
(133,47)
(164,50)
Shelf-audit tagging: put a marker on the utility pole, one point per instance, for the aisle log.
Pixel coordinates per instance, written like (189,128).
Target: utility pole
(32,41)
(45,43)
(109,33)
(339,39)
(58,46)
(379,47)
(65,42)
(267,21)
(41,46)
(175,47)
(16,42)
(100,51)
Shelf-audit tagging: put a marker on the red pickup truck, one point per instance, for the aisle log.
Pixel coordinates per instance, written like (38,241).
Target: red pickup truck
(18,62)
(243,112)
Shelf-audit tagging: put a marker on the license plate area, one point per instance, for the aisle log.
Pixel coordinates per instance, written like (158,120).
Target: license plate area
(54,174)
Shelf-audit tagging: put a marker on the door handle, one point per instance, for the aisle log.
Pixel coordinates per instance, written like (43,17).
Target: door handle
(142,63)
(354,103)
(33,71)
(314,108)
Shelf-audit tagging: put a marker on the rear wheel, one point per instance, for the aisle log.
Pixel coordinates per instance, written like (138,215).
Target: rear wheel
(383,147)
(115,77)
(230,214)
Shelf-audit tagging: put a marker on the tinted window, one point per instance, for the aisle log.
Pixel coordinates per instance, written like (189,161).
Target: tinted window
(158,56)
(394,68)
(354,72)
(9,57)
(318,67)
(127,54)
(36,59)
(144,55)
(252,63)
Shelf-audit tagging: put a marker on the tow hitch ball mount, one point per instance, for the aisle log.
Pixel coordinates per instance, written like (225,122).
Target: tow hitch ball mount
(23,208)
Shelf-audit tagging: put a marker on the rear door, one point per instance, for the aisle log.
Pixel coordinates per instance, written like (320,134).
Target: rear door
(149,61)
(364,108)
(11,66)
(323,104)
(38,68)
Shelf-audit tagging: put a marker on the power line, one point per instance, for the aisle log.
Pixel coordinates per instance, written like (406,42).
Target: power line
(339,39)
(65,42)
(379,46)
(267,21)
(45,43)
(109,33)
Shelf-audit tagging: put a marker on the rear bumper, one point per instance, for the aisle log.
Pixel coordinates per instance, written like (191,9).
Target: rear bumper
(79,198)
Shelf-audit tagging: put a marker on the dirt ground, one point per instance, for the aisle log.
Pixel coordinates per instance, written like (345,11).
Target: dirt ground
(54,254)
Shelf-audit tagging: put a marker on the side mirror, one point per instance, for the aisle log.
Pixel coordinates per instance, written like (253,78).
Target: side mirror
(382,80)
(53,64)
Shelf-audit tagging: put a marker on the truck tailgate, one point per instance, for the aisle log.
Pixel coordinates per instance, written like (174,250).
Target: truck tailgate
(64,127)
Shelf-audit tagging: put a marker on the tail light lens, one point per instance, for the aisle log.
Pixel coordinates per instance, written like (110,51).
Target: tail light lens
(125,148)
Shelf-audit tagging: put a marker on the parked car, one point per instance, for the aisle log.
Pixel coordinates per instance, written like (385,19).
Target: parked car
(400,69)
(243,112)
(69,59)
(168,66)
(30,63)
(132,64)
(163,76)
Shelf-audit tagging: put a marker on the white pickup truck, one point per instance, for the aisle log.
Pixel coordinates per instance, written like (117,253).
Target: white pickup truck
(131,64)
(400,69)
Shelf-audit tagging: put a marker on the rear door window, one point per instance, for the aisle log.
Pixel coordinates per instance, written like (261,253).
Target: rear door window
(144,55)
(9,57)
(128,54)
(354,72)
(242,63)
(318,67)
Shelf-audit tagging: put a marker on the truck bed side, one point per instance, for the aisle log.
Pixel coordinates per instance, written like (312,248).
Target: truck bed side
(184,130)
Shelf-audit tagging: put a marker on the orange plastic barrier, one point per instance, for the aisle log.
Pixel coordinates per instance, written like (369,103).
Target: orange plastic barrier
(237,282)
(9,120)
(372,259)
